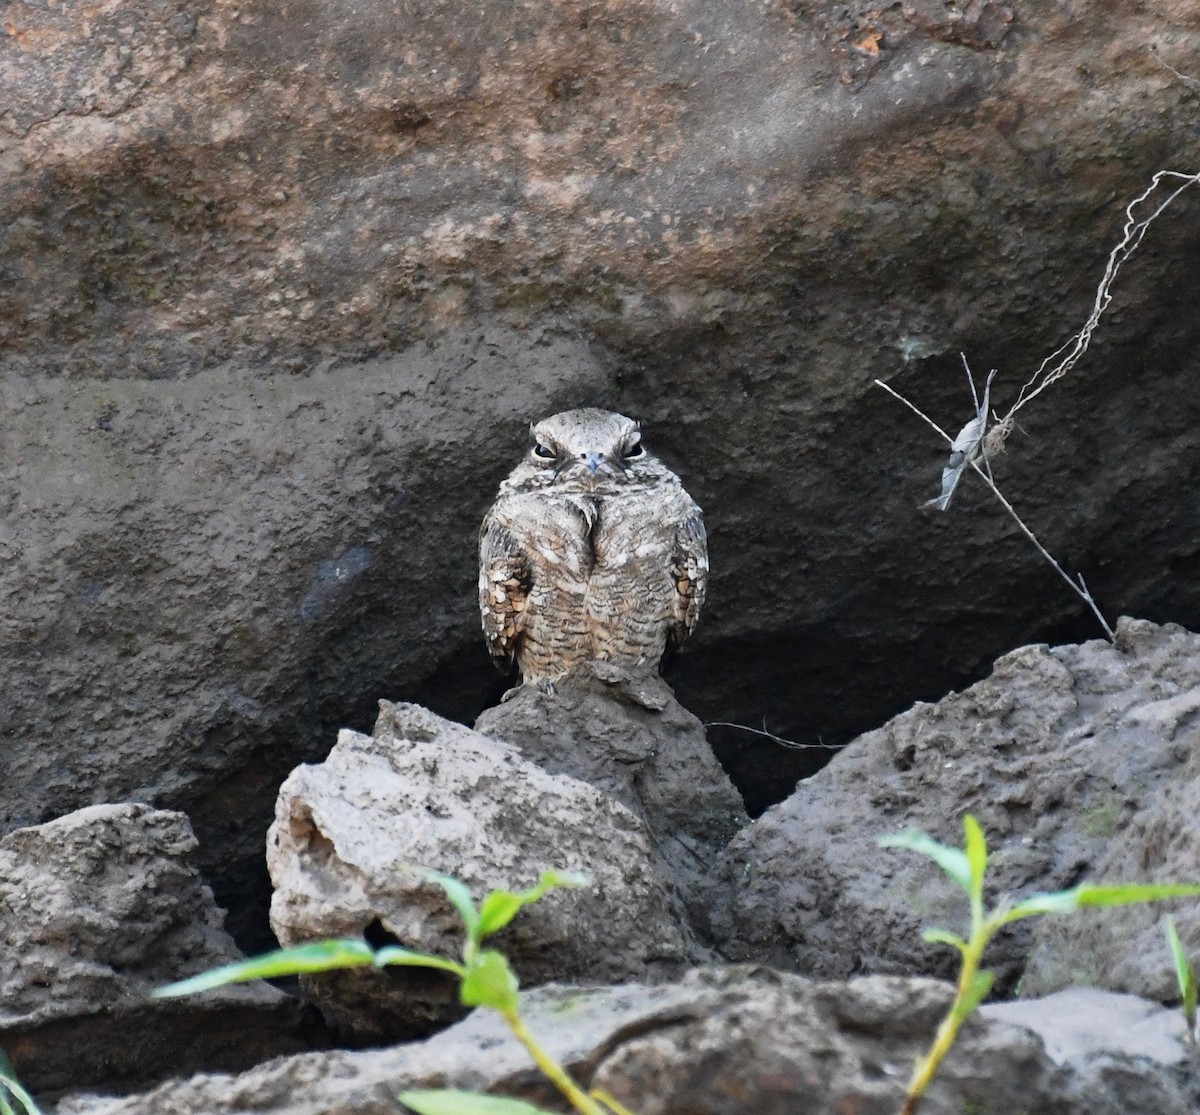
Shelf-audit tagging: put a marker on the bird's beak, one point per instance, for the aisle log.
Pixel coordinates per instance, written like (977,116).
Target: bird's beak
(594,461)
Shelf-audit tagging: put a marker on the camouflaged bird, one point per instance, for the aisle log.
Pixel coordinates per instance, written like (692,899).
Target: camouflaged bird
(592,550)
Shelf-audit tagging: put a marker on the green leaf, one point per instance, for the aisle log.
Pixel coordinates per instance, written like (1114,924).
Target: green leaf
(395,956)
(1124,894)
(977,855)
(460,899)
(501,906)
(1060,902)
(489,982)
(976,993)
(317,956)
(944,937)
(1185,973)
(466,1103)
(497,910)
(1091,894)
(951,860)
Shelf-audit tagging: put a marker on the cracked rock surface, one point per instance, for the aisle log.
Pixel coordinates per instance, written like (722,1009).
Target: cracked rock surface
(353,834)
(719,1042)
(282,284)
(1079,763)
(97,909)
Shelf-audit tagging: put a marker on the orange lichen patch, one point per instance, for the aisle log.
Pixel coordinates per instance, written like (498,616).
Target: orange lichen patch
(869,44)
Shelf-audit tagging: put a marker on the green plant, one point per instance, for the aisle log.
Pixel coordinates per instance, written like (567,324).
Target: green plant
(966,866)
(486,979)
(1185,973)
(14,1100)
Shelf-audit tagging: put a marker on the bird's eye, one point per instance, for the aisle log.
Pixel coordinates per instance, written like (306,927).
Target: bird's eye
(544,451)
(635,450)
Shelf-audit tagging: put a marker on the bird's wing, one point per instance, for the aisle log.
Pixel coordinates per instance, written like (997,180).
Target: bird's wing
(504,581)
(965,449)
(689,570)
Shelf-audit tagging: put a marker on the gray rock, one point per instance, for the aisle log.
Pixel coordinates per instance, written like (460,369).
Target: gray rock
(773,1045)
(281,284)
(1067,756)
(351,834)
(1125,948)
(1084,1022)
(99,907)
(628,736)
(727,1041)
(574,1023)
(195,597)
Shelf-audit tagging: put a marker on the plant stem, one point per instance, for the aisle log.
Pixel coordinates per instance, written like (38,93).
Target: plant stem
(19,1094)
(1080,589)
(612,1104)
(928,1065)
(580,1100)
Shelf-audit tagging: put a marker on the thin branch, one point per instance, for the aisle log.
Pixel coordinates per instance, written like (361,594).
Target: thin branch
(1133,232)
(1080,587)
(975,441)
(1167,66)
(917,411)
(776,739)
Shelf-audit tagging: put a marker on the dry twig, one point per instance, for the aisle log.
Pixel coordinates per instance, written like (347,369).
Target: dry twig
(1167,66)
(1080,586)
(1069,353)
(974,441)
(774,738)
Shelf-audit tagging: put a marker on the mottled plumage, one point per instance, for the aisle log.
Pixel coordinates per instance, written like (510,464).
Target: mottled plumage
(592,550)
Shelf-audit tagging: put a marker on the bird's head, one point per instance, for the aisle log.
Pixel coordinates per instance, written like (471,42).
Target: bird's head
(587,450)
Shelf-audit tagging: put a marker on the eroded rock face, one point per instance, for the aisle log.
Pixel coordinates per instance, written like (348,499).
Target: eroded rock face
(627,735)
(1156,840)
(209,576)
(773,1044)
(288,181)
(281,283)
(1126,948)
(96,910)
(352,834)
(719,1042)
(1078,761)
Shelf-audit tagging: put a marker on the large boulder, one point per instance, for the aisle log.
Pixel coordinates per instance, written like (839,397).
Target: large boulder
(280,285)
(626,734)
(1125,948)
(353,835)
(200,602)
(99,908)
(1077,761)
(725,1042)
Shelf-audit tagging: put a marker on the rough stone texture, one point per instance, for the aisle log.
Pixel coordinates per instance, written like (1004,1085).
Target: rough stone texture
(1064,755)
(197,598)
(727,1041)
(248,251)
(97,909)
(628,736)
(423,792)
(775,1046)
(1083,1022)
(1125,948)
